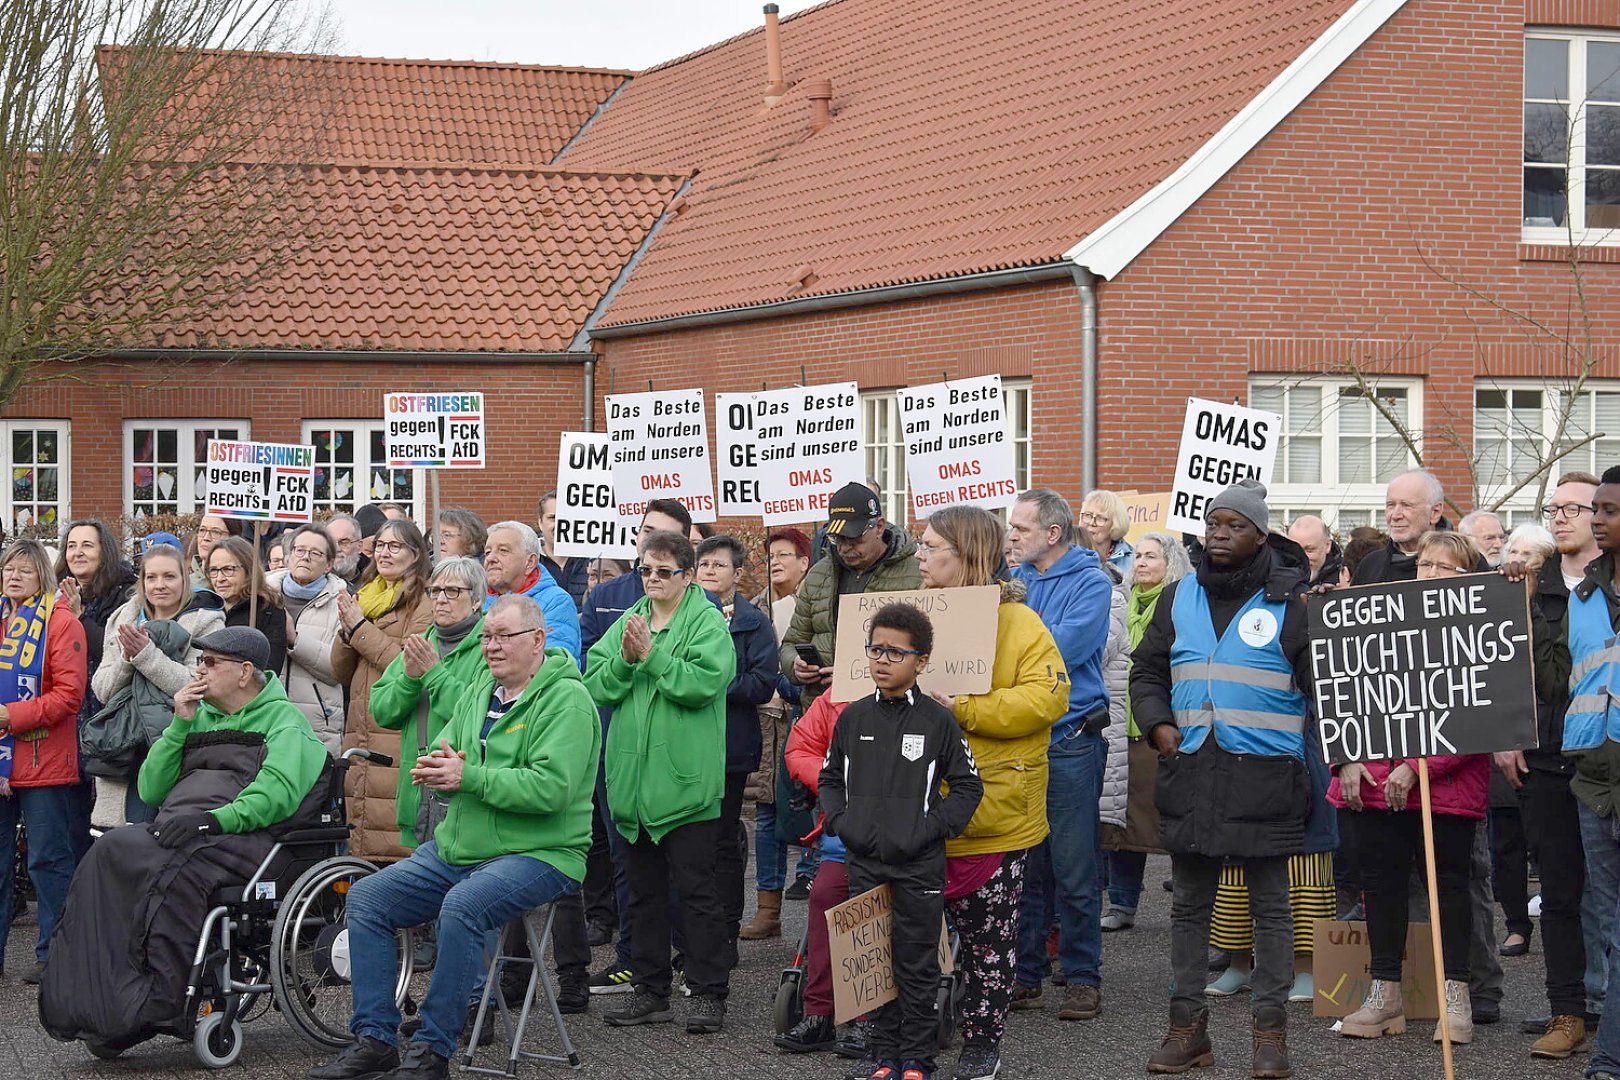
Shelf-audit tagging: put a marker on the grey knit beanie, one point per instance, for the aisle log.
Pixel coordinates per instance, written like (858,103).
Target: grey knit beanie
(1246,497)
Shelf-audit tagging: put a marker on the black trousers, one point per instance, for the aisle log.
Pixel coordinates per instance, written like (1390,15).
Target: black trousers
(1389,846)
(1552,826)
(731,860)
(600,903)
(905,1029)
(570,951)
(1510,868)
(682,863)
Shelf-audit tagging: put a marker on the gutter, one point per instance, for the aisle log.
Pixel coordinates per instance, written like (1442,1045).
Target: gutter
(387,356)
(1086,282)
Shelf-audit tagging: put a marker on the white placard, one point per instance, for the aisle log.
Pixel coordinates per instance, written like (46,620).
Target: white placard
(434,431)
(259,481)
(588,521)
(958,449)
(1220,445)
(660,450)
(738,467)
(784,452)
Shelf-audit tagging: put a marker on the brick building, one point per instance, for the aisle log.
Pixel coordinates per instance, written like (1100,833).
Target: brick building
(1114,204)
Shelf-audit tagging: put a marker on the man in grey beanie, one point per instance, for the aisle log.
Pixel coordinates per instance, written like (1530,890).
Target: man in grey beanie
(1220,684)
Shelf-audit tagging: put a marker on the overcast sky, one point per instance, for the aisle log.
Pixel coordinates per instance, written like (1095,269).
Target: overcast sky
(573,33)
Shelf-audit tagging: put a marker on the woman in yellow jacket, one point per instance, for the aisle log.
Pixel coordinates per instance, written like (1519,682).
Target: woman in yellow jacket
(1009,730)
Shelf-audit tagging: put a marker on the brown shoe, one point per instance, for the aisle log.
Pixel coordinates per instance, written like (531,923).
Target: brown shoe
(767,919)
(1565,1035)
(1080,1002)
(1186,1046)
(1026,997)
(1271,1044)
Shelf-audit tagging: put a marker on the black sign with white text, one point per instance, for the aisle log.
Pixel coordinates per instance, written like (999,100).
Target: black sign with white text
(1423,669)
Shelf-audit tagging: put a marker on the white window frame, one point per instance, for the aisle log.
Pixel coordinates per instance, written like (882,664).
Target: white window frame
(187,498)
(1522,507)
(1341,505)
(1574,230)
(363,430)
(63,430)
(886,459)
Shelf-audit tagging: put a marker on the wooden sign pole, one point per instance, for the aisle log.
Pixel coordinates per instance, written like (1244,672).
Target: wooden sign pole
(1434,916)
(253,573)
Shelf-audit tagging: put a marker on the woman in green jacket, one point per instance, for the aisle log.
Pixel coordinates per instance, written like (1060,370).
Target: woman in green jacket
(418,693)
(663,670)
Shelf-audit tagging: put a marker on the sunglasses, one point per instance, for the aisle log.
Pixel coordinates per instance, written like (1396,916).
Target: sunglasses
(664,573)
(209,663)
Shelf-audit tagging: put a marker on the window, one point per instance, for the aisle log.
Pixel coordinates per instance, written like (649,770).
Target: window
(1513,429)
(36,500)
(886,443)
(1340,447)
(164,463)
(351,467)
(1571,136)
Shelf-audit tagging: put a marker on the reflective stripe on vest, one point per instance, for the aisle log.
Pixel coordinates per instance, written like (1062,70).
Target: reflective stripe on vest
(1244,693)
(1594,674)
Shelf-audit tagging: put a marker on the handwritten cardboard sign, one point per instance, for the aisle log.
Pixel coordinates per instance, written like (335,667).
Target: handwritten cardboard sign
(958,449)
(964,639)
(1341,963)
(588,521)
(434,431)
(859,947)
(1220,445)
(1146,514)
(260,481)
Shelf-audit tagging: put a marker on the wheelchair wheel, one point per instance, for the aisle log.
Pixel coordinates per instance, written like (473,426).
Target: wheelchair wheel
(789,1006)
(216,1043)
(309,953)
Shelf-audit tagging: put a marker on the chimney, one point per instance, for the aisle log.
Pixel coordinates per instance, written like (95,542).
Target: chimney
(776,85)
(820,94)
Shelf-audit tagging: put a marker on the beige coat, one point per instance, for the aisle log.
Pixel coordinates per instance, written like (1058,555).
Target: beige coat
(310,682)
(371,789)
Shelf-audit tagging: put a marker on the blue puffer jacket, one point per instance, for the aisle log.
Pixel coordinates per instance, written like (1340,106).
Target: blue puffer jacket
(562,618)
(755,641)
(1072,598)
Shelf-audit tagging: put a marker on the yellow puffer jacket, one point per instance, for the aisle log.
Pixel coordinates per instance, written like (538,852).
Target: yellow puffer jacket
(1010,731)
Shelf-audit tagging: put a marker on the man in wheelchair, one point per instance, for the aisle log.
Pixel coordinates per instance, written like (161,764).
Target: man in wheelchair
(518,762)
(237,759)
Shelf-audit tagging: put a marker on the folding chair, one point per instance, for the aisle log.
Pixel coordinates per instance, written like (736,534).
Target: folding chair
(537,933)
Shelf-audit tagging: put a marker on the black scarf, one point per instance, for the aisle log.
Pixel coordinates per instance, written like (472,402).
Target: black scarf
(1236,582)
(451,636)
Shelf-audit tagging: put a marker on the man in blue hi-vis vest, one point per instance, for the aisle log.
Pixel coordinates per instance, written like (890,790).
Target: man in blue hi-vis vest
(1582,656)
(1220,685)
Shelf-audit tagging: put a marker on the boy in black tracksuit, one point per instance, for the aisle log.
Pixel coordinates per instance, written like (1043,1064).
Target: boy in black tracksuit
(890,758)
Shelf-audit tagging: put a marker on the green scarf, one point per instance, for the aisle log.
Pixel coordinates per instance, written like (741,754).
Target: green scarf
(1139,613)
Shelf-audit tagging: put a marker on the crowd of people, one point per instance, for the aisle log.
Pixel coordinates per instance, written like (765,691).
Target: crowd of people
(599,735)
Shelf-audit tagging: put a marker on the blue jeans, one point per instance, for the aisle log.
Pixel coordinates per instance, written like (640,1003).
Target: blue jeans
(53,855)
(469,902)
(1065,871)
(1598,837)
(1125,870)
(771,855)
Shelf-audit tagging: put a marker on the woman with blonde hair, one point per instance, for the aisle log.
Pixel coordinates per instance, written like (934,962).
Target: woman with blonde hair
(1104,521)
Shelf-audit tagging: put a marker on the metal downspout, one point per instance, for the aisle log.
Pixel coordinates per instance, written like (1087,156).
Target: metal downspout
(589,411)
(1086,282)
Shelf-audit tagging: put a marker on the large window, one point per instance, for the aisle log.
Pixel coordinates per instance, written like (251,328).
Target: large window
(1340,446)
(351,467)
(36,500)
(886,443)
(165,460)
(1514,426)
(1571,136)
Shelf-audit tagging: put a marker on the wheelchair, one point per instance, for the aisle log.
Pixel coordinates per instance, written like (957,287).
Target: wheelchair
(280,941)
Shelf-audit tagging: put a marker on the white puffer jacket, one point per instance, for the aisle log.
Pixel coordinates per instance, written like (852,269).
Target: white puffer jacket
(1116,677)
(309,680)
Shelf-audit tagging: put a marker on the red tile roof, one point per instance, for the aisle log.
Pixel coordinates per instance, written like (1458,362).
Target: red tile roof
(968,135)
(356,109)
(462,259)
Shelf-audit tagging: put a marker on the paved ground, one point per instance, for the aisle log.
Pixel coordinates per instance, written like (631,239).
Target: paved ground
(1038,1045)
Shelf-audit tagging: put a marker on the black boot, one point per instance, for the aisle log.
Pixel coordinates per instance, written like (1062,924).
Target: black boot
(809,1035)
(421,1062)
(364,1059)
(573,991)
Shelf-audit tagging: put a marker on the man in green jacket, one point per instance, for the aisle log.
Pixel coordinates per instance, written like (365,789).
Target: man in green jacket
(518,761)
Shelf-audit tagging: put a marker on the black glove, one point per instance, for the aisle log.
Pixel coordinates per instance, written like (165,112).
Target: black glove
(183,827)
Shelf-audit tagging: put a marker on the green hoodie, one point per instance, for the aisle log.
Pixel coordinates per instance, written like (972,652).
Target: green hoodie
(666,744)
(396,700)
(293,758)
(526,790)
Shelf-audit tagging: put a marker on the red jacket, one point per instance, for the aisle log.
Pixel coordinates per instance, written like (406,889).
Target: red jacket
(54,759)
(807,743)
(1457,785)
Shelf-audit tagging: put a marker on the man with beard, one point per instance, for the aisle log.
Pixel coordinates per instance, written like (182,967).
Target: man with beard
(345,530)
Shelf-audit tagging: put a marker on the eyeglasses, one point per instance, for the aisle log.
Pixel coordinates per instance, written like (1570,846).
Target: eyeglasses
(389,547)
(345,545)
(1438,567)
(309,553)
(224,571)
(1095,519)
(664,573)
(1567,511)
(213,534)
(449,592)
(209,663)
(926,550)
(851,541)
(890,653)
(710,564)
(489,641)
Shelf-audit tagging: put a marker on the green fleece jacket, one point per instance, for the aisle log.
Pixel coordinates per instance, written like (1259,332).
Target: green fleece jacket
(396,701)
(666,743)
(526,789)
(293,759)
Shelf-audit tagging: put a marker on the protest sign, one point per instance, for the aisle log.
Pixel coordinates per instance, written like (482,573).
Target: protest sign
(1220,445)
(957,446)
(434,431)
(809,446)
(859,949)
(1340,966)
(1146,513)
(660,450)
(738,465)
(1423,668)
(964,639)
(588,521)
(260,481)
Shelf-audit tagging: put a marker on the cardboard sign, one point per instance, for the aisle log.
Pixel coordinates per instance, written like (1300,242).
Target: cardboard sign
(859,947)
(660,450)
(588,521)
(261,481)
(434,431)
(1340,964)
(1146,514)
(964,639)
(958,449)
(739,457)
(1220,445)
(1423,668)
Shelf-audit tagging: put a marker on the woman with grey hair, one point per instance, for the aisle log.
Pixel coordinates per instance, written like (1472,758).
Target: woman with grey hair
(1159,560)
(420,688)
(1530,544)
(460,532)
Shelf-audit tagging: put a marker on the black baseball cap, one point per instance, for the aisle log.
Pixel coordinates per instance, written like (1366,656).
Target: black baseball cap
(852,510)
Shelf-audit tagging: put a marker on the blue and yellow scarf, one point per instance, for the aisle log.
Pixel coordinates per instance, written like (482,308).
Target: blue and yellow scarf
(22,662)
